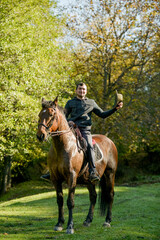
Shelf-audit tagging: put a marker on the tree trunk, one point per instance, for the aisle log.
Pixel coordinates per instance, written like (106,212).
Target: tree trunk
(6,175)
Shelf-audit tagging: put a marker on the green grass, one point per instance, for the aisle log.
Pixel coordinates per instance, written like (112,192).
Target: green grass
(29,212)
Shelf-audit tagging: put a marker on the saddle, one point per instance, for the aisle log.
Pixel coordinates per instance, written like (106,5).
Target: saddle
(82,146)
(98,157)
(82,143)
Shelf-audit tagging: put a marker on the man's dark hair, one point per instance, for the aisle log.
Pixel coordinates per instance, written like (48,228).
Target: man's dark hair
(80,84)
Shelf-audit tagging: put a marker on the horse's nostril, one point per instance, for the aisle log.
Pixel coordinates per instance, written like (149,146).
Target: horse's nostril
(41,137)
(38,137)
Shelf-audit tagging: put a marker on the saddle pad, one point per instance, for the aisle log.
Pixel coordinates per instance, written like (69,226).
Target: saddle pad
(98,152)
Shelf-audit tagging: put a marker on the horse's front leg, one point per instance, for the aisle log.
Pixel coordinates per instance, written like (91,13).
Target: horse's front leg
(70,202)
(59,225)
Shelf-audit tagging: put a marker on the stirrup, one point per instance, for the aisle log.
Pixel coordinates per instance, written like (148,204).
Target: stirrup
(46,177)
(94,177)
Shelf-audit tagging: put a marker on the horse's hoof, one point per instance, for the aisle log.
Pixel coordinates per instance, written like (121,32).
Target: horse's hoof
(86,224)
(107,224)
(58,228)
(70,231)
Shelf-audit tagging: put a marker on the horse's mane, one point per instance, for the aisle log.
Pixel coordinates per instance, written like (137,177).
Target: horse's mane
(61,109)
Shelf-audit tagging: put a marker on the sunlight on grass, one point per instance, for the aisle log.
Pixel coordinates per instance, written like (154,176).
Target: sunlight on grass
(122,189)
(29,198)
(41,196)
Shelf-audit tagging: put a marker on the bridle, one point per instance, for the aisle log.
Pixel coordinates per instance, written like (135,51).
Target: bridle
(47,127)
(56,133)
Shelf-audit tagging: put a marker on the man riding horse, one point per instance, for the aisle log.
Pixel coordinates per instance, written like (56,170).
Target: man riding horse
(79,111)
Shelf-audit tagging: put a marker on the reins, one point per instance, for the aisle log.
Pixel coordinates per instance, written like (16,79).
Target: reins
(58,133)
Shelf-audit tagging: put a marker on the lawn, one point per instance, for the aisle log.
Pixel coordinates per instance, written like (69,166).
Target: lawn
(29,212)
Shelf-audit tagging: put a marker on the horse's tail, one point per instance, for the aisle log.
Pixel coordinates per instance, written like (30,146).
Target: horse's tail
(104,195)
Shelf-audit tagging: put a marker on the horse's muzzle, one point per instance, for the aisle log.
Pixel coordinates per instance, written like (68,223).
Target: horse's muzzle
(41,137)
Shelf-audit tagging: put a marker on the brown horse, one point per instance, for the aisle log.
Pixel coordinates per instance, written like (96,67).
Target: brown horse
(65,163)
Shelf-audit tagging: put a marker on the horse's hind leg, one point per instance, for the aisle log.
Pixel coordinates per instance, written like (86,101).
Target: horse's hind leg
(59,225)
(93,197)
(107,195)
(110,189)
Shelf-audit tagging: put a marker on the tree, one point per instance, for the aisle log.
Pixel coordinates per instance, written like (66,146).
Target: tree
(117,48)
(33,64)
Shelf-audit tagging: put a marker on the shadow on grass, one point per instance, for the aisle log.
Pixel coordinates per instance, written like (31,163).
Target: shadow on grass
(28,188)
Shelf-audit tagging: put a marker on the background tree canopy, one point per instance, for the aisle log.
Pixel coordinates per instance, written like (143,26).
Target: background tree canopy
(109,45)
(118,48)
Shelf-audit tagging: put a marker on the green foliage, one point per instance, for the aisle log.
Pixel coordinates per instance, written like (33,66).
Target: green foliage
(32,66)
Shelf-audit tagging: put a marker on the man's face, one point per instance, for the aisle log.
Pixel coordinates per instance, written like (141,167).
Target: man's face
(81,91)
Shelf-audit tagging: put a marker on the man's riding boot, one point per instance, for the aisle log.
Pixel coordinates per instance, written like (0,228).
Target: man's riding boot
(46,176)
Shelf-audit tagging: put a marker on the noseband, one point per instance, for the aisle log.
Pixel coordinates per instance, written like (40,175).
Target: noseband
(47,128)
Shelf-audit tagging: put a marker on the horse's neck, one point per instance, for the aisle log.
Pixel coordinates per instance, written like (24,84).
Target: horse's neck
(66,139)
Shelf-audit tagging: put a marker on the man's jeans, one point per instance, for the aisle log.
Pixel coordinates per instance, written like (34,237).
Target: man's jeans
(90,152)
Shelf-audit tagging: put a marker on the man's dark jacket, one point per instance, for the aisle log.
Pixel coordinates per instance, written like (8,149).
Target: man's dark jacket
(80,111)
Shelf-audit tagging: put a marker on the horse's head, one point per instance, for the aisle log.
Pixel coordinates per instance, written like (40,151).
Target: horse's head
(48,120)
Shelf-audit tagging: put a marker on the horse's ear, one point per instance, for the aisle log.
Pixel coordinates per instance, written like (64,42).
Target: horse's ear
(56,101)
(43,102)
